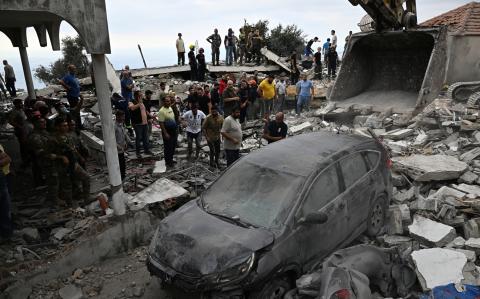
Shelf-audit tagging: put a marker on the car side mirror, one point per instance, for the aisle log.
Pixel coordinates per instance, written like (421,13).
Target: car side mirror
(314,218)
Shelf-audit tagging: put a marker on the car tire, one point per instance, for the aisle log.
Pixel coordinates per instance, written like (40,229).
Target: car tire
(376,217)
(277,288)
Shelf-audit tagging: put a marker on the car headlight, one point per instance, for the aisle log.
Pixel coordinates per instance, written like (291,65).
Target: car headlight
(234,273)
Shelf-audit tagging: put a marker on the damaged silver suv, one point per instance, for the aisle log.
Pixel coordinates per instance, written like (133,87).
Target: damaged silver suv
(272,215)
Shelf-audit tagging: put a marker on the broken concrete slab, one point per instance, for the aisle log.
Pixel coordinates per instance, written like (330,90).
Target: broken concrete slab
(445,192)
(470,155)
(430,168)
(458,242)
(302,127)
(422,204)
(61,233)
(271,56)
(160,167)
(470,254)
(437,267)
(159,191)
(431,233)
(468,189)
(398,134)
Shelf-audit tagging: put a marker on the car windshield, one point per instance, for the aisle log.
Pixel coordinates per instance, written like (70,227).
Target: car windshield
(256,195)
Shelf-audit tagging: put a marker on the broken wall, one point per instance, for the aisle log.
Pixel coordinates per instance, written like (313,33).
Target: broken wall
(464,60)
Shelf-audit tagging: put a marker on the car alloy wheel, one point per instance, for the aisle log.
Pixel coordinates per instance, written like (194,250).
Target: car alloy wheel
(377,217)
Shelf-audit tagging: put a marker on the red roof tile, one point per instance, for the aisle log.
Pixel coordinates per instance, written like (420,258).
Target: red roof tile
(464,19)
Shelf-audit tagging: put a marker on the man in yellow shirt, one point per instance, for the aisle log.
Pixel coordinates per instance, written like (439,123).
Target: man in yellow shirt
(6,226)
(166,119)
(266,90)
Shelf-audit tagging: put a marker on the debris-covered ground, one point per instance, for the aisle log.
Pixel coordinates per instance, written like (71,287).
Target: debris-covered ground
(433,221)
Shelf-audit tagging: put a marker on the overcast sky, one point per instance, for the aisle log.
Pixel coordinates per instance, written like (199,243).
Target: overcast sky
(155,24)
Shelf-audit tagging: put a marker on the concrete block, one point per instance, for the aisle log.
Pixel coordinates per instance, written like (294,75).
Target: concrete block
(422,204)
(421,139)
(458,242)
(430,168)
(404,196)
(473,244)
(470,254)
(431,233)
(394,224)
(468,178)
(437,267)
(471,228)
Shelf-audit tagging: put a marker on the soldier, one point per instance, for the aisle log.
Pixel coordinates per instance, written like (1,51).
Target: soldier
(242,46)
(71,172)
(41,143)
(80,146)
(216,40)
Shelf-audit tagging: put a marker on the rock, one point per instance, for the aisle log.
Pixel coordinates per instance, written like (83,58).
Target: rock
(392,241)
(431,233)
(394,223)
(430,168)
(30,234)
(77,274)
(421,139)
(398,180)
(468,178)
(437,267)
(398,146)
(70,292)
(473,244)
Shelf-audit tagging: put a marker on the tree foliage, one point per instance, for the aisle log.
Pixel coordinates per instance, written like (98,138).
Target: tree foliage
(283,40)
(73,53)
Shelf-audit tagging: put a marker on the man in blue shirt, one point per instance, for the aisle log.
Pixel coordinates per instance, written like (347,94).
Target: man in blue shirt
(305,92)
(75,100)
(326,47)
(127,86)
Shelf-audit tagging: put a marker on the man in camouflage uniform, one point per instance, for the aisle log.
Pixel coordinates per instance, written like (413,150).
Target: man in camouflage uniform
(64,157)
(41,145)
(80,175)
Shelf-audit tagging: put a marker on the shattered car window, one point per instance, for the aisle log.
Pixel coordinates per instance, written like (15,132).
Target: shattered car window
(257,195)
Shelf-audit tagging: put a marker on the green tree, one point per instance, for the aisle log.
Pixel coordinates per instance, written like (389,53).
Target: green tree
(283,40)
(73,53)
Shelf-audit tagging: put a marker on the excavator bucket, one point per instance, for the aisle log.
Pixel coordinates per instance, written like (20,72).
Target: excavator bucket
(397,70)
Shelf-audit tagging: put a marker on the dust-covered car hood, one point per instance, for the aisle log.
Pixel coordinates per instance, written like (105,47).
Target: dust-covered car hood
(196,243)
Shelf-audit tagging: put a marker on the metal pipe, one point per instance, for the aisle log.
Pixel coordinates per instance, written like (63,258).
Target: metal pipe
(143,58)
(27,73)
(104,105)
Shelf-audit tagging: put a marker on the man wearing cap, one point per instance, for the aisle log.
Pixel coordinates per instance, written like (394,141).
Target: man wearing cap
(266,90)
(180,50)
(202,65)
(192,61)
(216,40)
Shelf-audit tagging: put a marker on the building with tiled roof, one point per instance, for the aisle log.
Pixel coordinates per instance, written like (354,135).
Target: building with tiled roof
(463,25)
(462,20)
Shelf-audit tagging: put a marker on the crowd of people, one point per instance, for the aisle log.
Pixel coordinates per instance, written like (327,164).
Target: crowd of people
(246,48)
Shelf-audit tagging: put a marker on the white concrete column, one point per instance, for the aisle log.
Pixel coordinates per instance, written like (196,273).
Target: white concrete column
(27,72)
(105,107)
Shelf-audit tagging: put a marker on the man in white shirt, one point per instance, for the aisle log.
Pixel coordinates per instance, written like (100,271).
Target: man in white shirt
(180,50)
(334,39)
(281,90)
(193,120)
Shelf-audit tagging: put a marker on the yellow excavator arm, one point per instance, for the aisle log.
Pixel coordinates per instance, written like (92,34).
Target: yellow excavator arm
(390,14)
